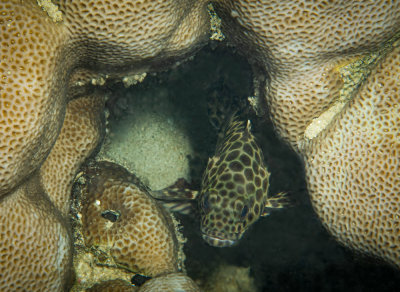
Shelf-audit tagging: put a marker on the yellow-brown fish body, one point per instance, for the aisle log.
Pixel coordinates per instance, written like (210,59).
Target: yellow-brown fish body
(234,186)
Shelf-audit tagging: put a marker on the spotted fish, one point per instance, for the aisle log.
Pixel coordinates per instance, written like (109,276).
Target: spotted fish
(234,189)
(234,192)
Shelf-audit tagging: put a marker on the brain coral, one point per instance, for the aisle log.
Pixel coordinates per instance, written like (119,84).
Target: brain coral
(121,218)
(352,158)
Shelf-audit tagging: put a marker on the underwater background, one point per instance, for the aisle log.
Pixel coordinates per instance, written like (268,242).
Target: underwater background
(159,130)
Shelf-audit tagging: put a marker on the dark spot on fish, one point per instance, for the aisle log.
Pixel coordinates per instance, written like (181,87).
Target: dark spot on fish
(244,212)
(212,225)
(225,220)
(254,145)
(239,206)
(249,174)
(259,195)
(240,190)
(218,216)
(230,185)
(205,204)
(250,188)
(210,164)
(258,158)
(257,181)
(238,178)
(220,185)
(226,213)
(265,185)
(213,171)
(226,228)
(222,193)
(234,137)
(232,155)
(221,168)
(251,202)
(236,145)
(235,166)
(248,149)
(231,194)
(224,203)
(245,159)
(256,209)
(255,167)
(225,177)
(250,217)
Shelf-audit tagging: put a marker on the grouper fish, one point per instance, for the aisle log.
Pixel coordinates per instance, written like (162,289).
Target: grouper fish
(234,189)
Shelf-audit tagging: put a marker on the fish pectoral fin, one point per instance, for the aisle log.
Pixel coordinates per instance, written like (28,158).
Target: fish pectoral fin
(278,201)
(174,194)
(181,207)
(176,200)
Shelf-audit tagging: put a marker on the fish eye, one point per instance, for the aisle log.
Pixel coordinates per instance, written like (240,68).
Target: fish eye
(206,203)
(245,210)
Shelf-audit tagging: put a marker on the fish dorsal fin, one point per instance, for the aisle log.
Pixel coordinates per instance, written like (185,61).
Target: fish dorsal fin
(248,126)
(278,201)
(177,197)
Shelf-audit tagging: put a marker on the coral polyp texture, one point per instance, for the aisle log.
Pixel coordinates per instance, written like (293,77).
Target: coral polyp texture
(343,123)
(301,45)
(353,169)
(45,54)
(170,283)
(31,89)
(36,248)
(345,134)
(120,218)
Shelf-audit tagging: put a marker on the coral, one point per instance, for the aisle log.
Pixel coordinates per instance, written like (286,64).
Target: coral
(113,286)
(297,48)
(353,169)
(120,218)
(170,283)
(347,136)
(36,250)
(32,102)
(300,45)
(51,9)
(40,61)
(80,134)
(230,278)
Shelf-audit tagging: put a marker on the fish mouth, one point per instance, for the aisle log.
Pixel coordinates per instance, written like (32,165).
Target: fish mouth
(218,242)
